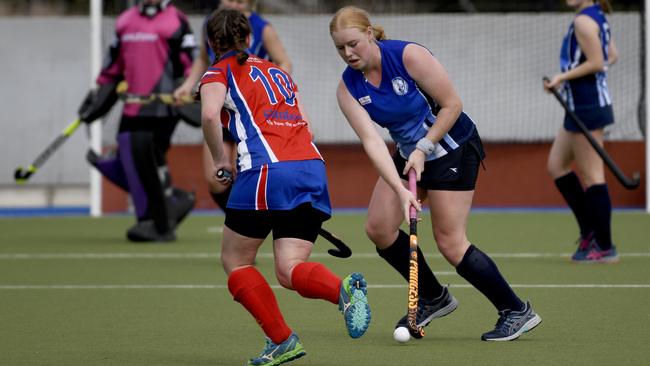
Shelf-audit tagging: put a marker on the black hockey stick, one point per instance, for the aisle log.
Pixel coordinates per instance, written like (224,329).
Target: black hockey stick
(628,183)
(341,251)
(21,175)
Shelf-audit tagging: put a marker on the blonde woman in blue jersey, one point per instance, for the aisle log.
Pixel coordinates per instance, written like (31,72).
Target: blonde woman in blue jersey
(587,51)
(402,87)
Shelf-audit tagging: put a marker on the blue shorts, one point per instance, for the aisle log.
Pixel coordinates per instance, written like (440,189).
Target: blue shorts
(282,186)
(594,118)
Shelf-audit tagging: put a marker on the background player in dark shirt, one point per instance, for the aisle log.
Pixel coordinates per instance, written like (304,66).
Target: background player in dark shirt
(587,51)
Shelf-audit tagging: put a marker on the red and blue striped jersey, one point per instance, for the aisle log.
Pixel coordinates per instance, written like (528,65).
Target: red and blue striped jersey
(264,118)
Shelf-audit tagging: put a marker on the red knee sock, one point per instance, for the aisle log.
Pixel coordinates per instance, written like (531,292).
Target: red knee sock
(249,288)
(315,281)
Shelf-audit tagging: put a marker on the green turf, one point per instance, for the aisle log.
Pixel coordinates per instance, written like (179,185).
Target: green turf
(73,292)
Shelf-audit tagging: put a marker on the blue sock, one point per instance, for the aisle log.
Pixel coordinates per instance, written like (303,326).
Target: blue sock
(574,195)
(599,206)
(479,270)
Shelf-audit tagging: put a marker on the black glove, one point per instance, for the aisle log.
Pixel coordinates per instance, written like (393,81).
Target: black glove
(98,102)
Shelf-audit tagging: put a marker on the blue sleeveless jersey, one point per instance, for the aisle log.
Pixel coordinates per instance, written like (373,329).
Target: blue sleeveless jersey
(256,46)
(400,106)
(589,91)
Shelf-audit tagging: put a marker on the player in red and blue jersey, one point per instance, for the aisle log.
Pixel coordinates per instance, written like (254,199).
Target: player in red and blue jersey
(264,43)
(402,87)
(587,51)
(280,188)
(152,48)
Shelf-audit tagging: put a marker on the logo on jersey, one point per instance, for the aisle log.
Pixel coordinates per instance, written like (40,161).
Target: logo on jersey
(400,86)
(365,100)
(139,37)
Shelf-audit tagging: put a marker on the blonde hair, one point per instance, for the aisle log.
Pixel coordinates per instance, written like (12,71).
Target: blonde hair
(354,17)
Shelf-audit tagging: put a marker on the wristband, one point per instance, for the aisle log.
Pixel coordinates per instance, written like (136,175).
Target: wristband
(426,146)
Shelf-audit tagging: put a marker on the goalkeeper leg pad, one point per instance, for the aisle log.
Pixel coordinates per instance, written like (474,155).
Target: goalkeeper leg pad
(110,167)
(137,154)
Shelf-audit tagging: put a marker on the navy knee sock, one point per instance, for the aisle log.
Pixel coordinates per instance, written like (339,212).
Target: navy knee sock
(479,270)
(397,255)
(574,195)
(599,206)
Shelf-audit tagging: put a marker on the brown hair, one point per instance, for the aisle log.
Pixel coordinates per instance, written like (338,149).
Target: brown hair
(353,17)
(604,4)
(228,30)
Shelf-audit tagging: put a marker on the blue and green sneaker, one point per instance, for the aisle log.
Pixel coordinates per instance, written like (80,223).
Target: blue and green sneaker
(353,304)
(276,354)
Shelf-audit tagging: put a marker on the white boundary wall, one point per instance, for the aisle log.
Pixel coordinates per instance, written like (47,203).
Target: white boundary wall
(495,61)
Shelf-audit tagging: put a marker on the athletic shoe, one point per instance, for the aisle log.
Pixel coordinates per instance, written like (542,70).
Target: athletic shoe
(145,231)
(431,309)
(180,205)
(597,255)
(275,354)
(353,304)
(584,245)
(512,324)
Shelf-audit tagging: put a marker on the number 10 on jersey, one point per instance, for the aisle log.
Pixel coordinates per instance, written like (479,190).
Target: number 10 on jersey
(280,79)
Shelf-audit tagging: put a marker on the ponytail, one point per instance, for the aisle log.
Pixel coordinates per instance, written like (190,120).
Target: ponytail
(378,32)
(242,56)
(605,6)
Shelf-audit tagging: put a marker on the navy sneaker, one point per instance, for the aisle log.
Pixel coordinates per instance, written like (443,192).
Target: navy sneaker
(353,304)
(276,354)
(512,324)
(431,309)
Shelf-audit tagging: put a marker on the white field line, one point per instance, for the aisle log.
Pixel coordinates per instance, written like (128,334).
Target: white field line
(221,287)
(215,255)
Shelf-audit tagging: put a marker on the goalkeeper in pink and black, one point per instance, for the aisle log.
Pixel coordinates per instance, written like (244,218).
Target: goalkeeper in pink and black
(153,48)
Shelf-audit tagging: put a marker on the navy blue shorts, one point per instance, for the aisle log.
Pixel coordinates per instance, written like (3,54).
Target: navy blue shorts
(301,222)
(593,118)
(456,171)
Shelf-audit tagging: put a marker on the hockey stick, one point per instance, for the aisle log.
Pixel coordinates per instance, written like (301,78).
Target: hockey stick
(628,183)
(341,251)
(21,175)
(131,98)
(416,332)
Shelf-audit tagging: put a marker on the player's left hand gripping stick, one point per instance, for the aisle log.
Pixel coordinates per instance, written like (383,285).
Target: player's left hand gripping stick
(223,174)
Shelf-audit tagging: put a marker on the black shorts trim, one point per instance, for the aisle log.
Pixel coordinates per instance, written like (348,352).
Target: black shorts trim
(302,222)
(456,171)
